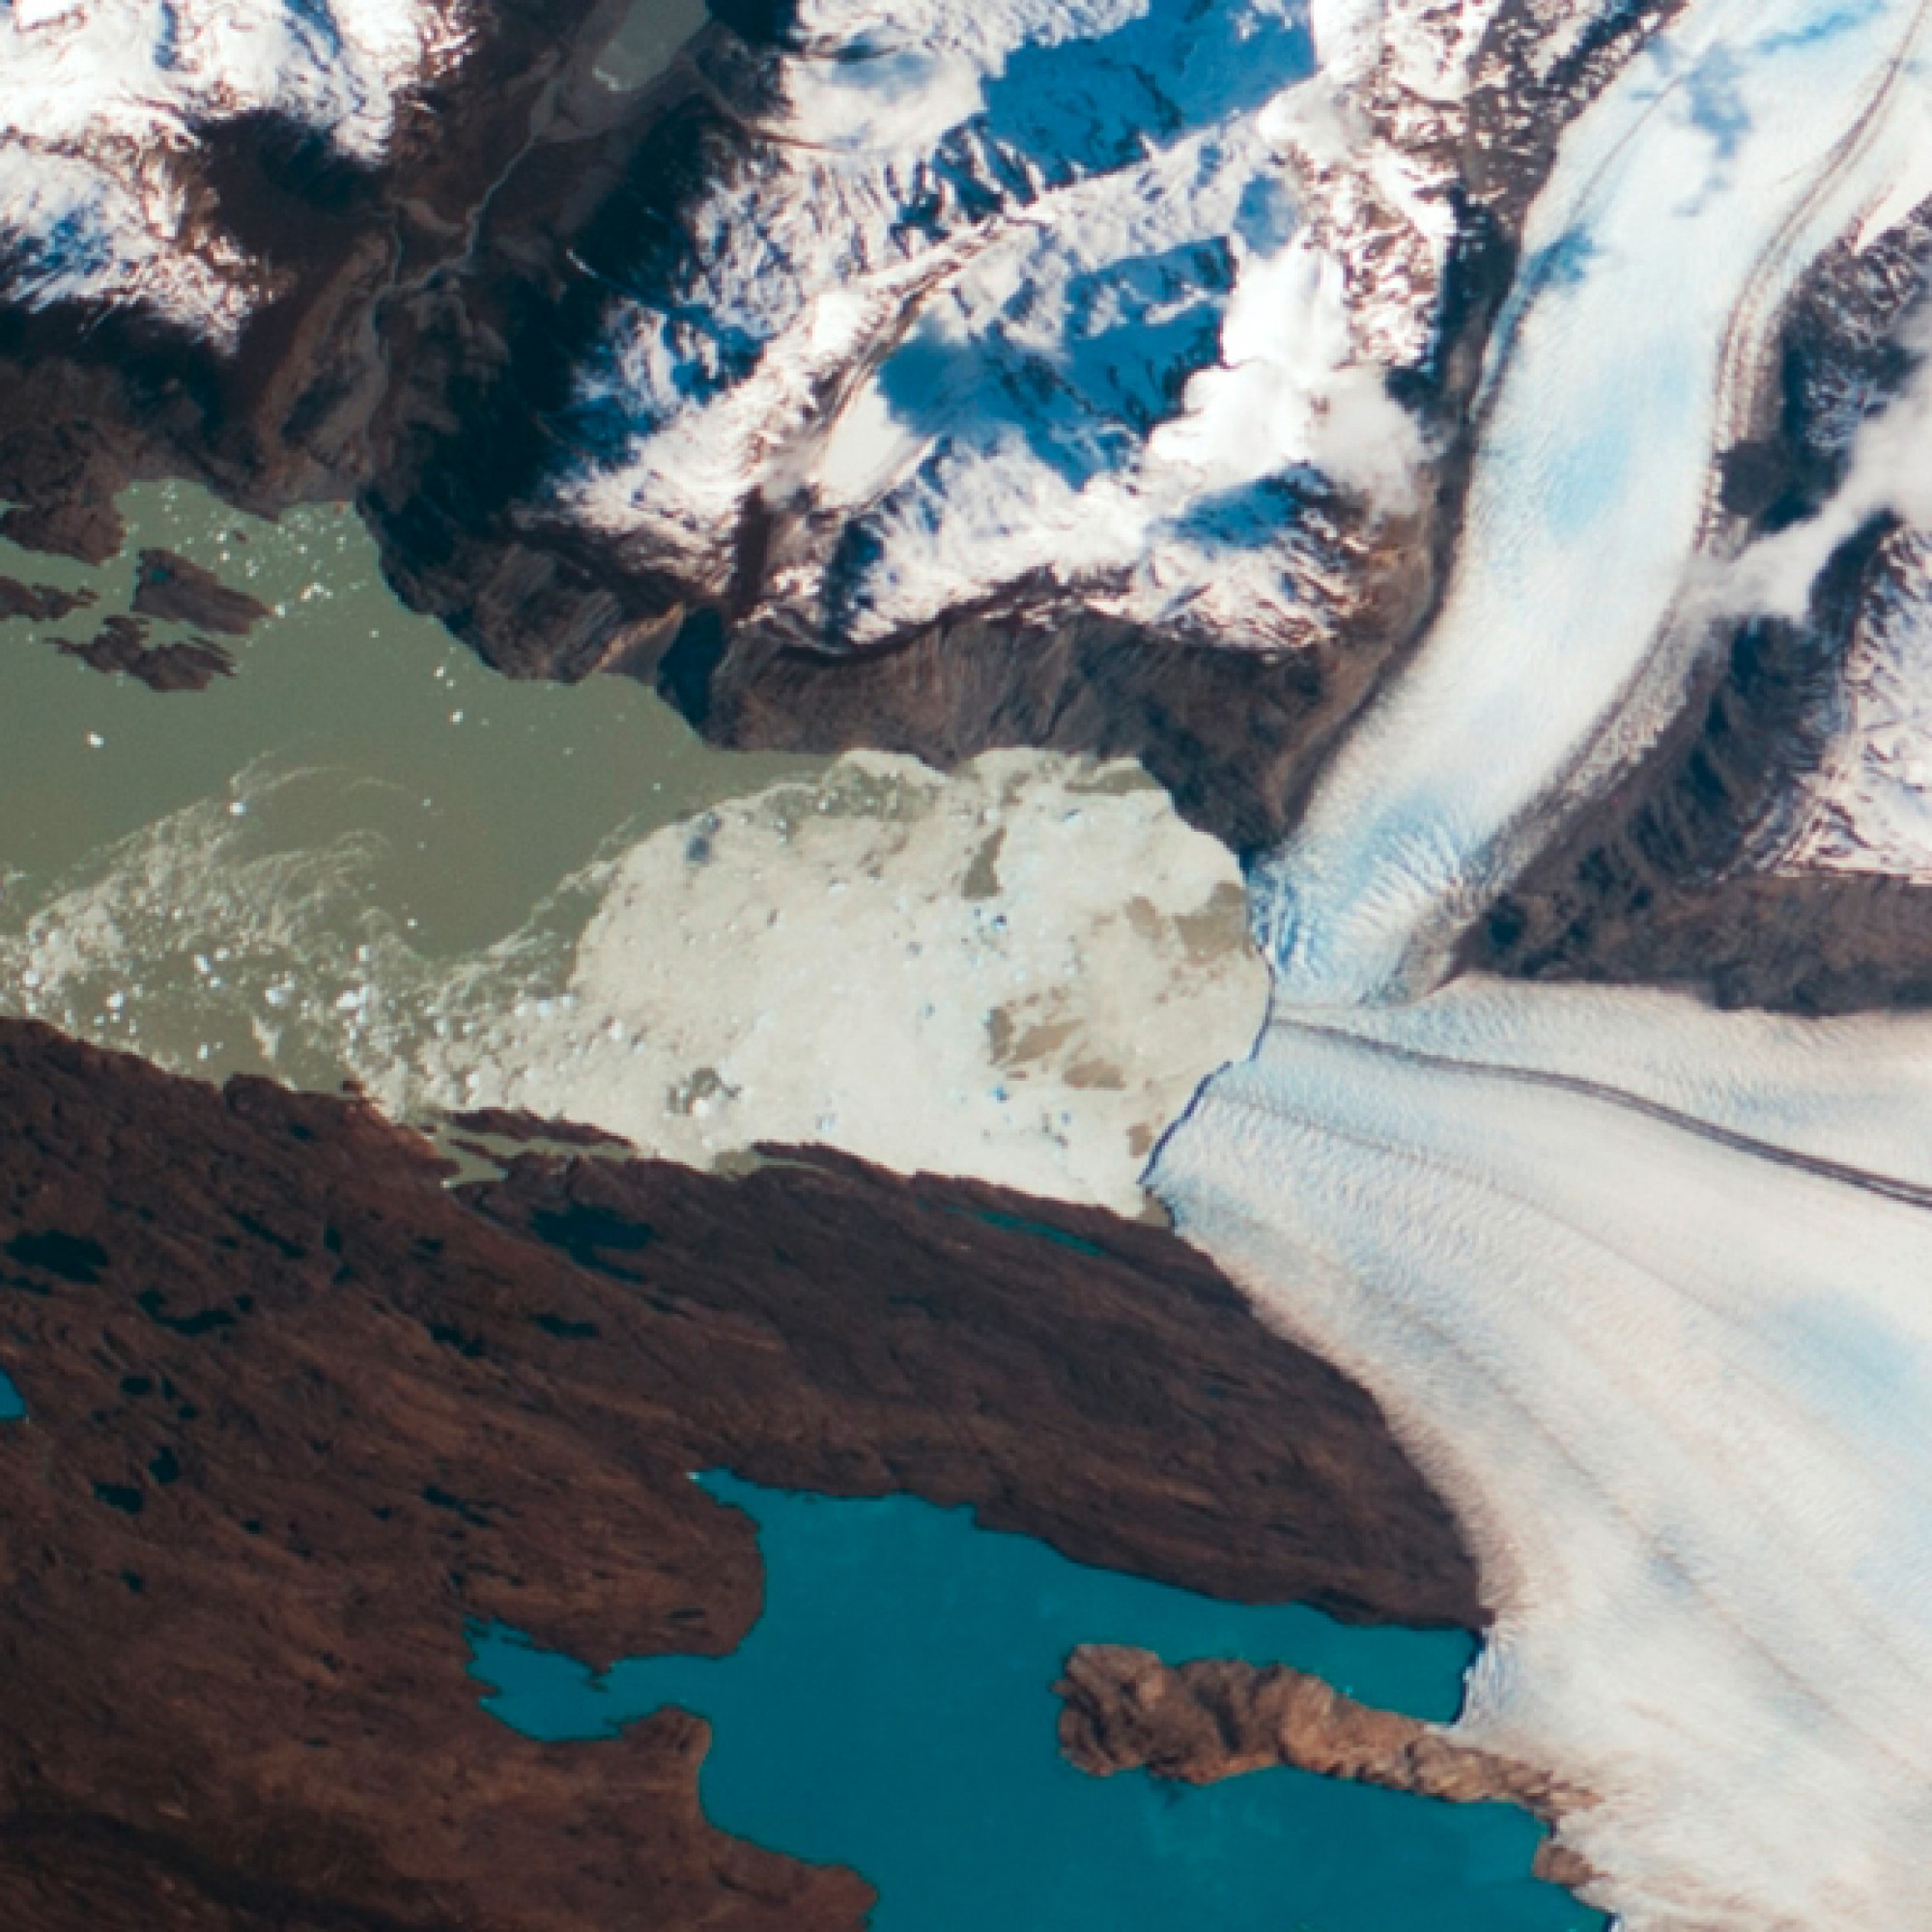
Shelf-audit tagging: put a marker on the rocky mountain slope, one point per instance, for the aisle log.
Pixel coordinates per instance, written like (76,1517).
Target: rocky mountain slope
(297,1415)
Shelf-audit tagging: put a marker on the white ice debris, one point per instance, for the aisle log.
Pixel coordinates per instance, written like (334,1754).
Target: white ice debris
(939,972)
(945,969)
(104,103)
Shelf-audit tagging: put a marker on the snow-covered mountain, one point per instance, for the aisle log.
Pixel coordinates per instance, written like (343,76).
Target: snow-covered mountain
(1145,310)
(105,109)
(1094,309)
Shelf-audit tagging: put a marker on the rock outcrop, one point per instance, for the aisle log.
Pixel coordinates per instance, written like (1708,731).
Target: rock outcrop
(299,1414)
(121,645)
(174,591)
(43,603)
(1123,1709)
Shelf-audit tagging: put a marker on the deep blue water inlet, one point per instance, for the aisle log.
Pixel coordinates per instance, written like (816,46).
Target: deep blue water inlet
(12,1404)
(892,1710)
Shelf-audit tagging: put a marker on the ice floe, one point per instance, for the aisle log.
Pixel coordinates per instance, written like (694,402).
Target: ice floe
(938,973)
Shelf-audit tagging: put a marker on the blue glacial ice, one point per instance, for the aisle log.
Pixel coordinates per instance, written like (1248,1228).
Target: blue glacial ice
(1642,1285)
(1683,209)
(1650,1308)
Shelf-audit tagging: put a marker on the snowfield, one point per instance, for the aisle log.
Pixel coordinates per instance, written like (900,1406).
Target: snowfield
(104,104)
(1082,309)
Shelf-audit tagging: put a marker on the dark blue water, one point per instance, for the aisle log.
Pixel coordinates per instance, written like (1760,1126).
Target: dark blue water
(892,1711)
(12,1404)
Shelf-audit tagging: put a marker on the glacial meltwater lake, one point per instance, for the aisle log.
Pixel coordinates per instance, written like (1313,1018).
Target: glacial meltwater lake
(892,1710)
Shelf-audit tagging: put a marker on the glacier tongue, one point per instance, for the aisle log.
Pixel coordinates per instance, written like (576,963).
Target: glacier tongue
(1641,1285)
(1683,209)
(1672,1368)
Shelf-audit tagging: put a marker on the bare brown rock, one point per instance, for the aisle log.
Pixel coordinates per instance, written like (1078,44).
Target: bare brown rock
(84,526)
(121,645)
(43,603)
(516,1124)
(1674,879)
(1126,1710)
(1234,736)
(174,591)
(298,1415)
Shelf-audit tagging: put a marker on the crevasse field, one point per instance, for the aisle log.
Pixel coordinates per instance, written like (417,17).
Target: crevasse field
(1645,1284)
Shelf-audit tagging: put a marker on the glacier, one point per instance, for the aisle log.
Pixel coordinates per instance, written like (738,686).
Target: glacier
(1641,1284)
(1683,210)
(1670,1361)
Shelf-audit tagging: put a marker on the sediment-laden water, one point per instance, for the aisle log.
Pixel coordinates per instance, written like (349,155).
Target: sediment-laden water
(366,856)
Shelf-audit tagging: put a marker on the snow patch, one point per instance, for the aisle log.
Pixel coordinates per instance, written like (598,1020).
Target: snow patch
(1013,304)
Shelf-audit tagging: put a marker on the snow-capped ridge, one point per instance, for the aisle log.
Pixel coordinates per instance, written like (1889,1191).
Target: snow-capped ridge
(101,106)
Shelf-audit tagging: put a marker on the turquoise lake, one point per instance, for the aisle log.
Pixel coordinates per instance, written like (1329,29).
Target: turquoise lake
(12,1404)
(892,1710)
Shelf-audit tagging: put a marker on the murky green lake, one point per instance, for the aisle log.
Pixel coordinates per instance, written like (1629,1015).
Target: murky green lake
(361,770)
(481,793)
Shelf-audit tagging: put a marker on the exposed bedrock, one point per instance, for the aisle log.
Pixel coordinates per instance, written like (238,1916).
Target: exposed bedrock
(298,1415)
(274,396)
(121,645)
(177,591)
(1124,1709)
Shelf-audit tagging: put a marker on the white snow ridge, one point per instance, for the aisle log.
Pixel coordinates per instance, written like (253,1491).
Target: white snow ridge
(103,102)
(1020,304)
